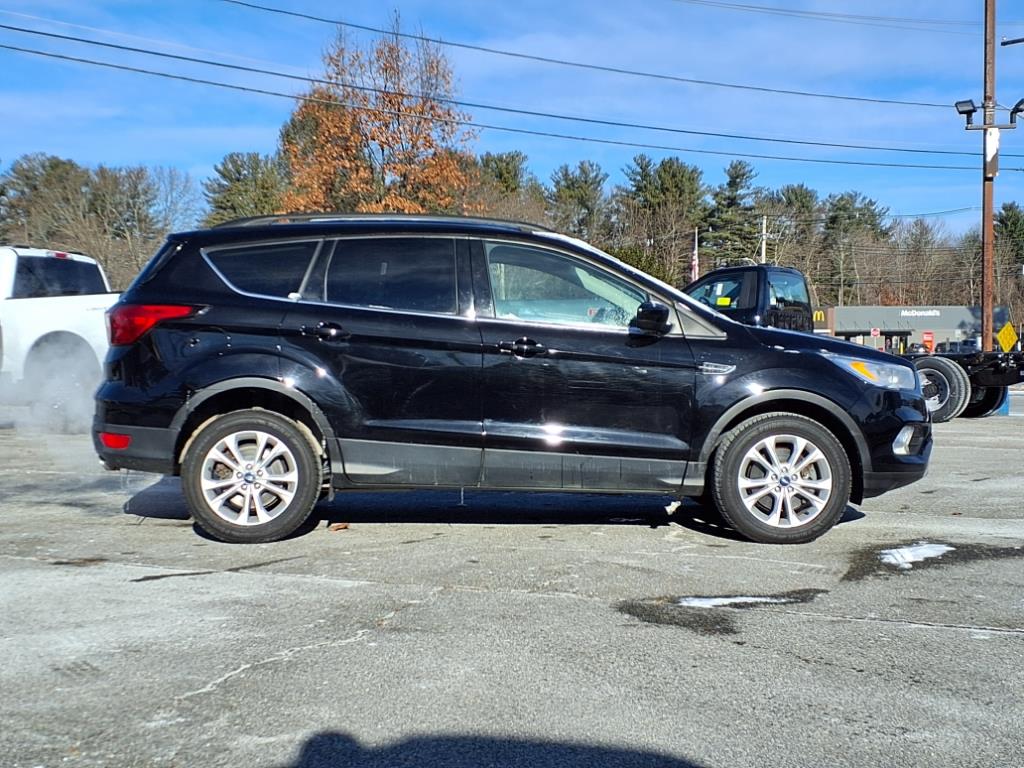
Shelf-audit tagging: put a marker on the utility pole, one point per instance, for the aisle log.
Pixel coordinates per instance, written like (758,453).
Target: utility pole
(990,168)
(764,239)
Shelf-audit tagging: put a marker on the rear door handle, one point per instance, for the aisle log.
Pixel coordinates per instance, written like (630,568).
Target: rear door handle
(327,332)
(523,347)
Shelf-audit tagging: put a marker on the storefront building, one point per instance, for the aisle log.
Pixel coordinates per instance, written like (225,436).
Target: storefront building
(900,329)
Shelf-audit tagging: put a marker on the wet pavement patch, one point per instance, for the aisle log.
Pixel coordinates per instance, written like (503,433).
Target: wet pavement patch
(883,561)
(704,614)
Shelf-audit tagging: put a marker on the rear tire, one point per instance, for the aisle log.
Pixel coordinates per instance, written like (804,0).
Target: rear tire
(781,478)
(985,401)
(951,382)
(251,477)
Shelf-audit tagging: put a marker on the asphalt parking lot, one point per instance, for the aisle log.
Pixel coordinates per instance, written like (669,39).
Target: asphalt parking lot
(510,629)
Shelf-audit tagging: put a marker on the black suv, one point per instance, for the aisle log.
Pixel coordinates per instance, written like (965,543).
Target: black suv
(275,361)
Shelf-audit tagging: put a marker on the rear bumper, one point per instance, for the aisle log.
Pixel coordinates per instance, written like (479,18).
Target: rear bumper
(151,449)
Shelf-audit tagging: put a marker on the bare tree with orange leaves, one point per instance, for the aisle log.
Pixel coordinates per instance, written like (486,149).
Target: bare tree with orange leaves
(380,135)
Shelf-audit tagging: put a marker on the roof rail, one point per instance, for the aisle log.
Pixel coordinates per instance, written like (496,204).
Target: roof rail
(304,218)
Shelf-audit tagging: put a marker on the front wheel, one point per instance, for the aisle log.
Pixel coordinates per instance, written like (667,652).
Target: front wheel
(251,477)
(781,478)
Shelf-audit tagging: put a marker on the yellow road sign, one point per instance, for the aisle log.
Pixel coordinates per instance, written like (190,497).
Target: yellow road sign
(1007,337)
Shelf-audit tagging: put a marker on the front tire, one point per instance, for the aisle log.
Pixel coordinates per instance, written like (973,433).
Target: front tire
(251,477)
(781,478)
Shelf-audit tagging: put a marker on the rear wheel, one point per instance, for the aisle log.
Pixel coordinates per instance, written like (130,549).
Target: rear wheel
(781,478)
(985,401)
(251,476)
(949,387)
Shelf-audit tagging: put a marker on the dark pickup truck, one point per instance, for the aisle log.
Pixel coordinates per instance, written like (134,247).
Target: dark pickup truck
(965,382)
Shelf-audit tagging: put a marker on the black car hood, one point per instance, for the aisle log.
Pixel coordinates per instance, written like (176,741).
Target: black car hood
(807,342)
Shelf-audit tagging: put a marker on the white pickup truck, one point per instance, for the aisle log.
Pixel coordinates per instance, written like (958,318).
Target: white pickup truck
(53,335)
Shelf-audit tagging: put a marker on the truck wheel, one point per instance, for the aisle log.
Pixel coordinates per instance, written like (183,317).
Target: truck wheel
(251,477)
(60,378)
(985,401)
(781,478)
(947,378)
(968,388)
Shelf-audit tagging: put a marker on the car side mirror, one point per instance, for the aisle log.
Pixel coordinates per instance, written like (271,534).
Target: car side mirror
(652,317)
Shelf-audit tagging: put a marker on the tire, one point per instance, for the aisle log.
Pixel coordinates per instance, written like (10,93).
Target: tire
(951,382)
(985,401)
(968,388)
(222,473)
(60,379)
(783,510)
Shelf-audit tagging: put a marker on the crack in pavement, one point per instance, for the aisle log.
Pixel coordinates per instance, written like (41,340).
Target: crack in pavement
(284,655)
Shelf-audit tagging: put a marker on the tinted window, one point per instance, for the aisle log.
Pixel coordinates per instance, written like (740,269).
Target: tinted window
(36,276)
(541,286)
(269,270)
(408,273)
(728,292)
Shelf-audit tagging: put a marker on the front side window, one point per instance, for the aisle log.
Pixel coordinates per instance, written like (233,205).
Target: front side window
(728,292)
(272,269)
(544,287)
(415,274)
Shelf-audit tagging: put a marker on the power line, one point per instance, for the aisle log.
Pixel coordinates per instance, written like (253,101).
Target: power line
(486,126)
(885,22)
(577,64)
(477,105)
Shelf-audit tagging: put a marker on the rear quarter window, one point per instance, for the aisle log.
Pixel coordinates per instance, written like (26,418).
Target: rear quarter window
(271,269)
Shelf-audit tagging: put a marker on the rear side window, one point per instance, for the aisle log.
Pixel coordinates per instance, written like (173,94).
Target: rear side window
(415,274)
(786,290)
(37,276)
(275,269)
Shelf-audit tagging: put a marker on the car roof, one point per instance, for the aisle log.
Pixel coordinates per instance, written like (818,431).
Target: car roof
(322,224)
(29,251)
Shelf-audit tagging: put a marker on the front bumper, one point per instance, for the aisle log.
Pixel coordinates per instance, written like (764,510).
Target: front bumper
(890,471)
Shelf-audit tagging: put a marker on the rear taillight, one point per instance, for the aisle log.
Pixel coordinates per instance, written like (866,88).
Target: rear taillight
(127,323)
(115,441)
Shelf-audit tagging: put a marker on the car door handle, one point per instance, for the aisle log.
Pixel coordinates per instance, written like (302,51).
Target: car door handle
(523,347)
(325,332)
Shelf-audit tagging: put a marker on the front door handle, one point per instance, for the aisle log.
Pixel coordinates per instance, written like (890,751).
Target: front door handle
(327,332)
(523,347)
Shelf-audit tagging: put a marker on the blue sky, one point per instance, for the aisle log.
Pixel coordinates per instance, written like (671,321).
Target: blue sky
(97,116)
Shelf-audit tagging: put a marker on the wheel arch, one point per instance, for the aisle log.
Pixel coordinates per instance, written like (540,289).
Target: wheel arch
(66,342)
(253,392)
(808,404)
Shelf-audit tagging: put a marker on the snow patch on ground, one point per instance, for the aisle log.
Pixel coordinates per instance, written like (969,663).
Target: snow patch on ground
(904,557)
(718,602)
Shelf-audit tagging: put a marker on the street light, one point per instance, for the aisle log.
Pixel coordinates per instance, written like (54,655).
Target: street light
(967,108)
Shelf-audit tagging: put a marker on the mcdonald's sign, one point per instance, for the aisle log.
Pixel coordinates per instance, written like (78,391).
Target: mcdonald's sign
(822,318)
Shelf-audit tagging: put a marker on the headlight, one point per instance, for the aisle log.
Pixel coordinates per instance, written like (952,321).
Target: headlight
(880,374)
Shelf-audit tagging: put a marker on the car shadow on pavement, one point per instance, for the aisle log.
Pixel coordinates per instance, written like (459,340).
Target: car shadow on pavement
(330,749)
(163,500)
